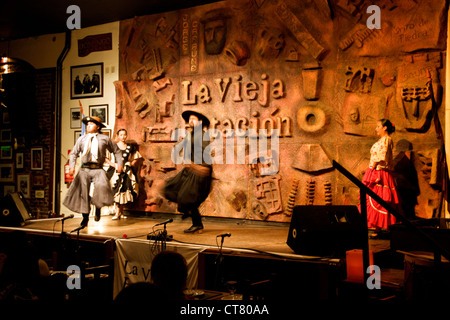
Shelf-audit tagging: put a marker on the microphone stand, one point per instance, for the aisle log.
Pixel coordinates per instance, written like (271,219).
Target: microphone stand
(77,250)
(163,238)
(63,234)
(219,261)
(63,250)
(160,236)
(77,246)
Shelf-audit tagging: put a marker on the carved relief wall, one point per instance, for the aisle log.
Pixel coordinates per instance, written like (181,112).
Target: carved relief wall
(313,71)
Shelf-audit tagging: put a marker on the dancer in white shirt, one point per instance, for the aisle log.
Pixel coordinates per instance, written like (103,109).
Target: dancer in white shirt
(91,147)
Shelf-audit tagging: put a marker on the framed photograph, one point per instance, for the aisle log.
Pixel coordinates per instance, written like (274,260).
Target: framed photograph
(8,189)
(107,132)
(5,135)
(39,194)
(75,118)
(86,81)
(37,159)
(6,172)
(5,117)
(19,160)
(23,184)
(38,180)
(100,111)
(76,135)
(6,152)
(20,142)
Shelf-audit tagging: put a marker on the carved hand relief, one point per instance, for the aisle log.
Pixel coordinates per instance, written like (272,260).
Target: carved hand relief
(419,90)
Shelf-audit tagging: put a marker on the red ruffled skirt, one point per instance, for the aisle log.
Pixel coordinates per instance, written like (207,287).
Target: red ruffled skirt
(382,183)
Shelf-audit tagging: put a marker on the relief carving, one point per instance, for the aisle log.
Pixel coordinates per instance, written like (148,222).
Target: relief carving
(303,36)
(251,65)
(359,80)
(215,30)
(270,43)
(419,90)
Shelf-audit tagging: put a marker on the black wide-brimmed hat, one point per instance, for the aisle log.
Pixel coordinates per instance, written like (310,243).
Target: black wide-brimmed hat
(95,120)
(186,114)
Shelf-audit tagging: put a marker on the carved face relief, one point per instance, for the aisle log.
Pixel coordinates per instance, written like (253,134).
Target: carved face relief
(215,35)
(354,115)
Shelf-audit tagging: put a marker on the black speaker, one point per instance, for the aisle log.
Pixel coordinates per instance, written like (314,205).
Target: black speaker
(325,230)
(14,210)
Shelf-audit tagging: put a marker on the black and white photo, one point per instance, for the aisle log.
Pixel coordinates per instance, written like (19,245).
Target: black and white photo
(86,81)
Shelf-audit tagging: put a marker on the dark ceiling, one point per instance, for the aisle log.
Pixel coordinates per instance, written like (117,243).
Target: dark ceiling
(28,18)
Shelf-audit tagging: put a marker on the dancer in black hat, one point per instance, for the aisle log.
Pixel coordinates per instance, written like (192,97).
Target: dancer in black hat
(191,186)
(91,147)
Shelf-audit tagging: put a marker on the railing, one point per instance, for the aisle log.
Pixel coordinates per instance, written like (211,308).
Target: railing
(364,190)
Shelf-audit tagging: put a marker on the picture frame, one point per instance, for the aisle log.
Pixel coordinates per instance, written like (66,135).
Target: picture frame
(107,132)
(76,135)
(101,111)
(6,152)
(5,117)
(19,160)
(6,172)
(38,180)
(5,135)
(75,118)
(20,142)
(7,188)
(23,184)
(39,194)
(86,81)
(37,159)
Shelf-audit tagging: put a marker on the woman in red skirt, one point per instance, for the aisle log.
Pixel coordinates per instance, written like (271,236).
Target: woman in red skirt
(379,179)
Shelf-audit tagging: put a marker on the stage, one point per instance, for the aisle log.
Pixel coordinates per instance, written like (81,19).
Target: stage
(245,234)
(255,251)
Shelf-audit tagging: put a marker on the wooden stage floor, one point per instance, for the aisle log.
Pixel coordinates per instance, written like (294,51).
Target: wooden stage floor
(245,234)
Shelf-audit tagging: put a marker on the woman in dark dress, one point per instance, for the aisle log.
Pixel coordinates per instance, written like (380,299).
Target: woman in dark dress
(124,184)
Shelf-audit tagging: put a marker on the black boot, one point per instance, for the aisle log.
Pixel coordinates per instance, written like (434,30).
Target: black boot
(97,214)
(85,220)
(193,229)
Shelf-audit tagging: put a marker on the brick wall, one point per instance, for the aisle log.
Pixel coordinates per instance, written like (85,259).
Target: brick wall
(40,180)
(45,100)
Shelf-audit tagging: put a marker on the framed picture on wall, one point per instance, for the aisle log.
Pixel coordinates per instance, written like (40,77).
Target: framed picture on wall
(100,111)
(6,152)
(76,135)
(39,194)
(19,160)
(23,184)
(5,117)
(37,159)
(75,118)
(6,172)
(8,189)
(5,135)
(107,132)
(38,180)
(86,81)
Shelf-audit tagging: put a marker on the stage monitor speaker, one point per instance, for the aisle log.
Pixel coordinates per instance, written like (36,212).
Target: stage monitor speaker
(325,230)
(14,210)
